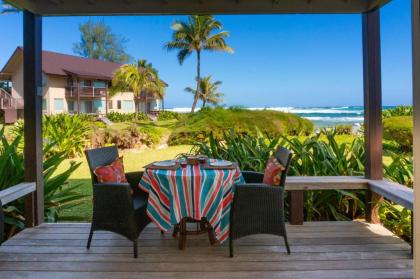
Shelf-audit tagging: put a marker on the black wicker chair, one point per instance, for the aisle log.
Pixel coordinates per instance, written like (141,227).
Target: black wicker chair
(119,208)
(258,208)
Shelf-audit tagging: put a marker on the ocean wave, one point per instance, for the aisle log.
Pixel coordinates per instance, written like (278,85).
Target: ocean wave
(336,119)
(358,111)
(181,110)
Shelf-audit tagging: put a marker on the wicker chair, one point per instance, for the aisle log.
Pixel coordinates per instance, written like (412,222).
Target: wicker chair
(258,208)
(119,208)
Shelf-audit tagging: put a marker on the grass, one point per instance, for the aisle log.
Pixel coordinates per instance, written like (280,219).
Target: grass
(133,161)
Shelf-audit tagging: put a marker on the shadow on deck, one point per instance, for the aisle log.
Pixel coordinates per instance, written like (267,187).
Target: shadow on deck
(319,250)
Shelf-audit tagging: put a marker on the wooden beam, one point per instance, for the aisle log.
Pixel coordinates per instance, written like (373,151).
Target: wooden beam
(415,9)
(294,183)
(32,93)
(373,106)
(372,94)
(15,192)
(115,7)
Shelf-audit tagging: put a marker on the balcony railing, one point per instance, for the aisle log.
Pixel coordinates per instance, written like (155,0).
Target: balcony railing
(85,92)
(7,101)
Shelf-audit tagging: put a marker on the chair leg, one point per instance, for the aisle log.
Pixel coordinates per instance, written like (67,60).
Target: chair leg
(287,244)
(135,248)
(89,239)
(230,247)
(176,230)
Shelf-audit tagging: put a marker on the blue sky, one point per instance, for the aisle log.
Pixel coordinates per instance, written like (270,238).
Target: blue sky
(280,60)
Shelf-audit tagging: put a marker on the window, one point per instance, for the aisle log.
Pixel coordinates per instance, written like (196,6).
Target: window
(86,82)
(118,104)
(58,104)
(99,84)
(71,82)
(128,105)
(99,105)
(110,103)
(70,105)
(44,104)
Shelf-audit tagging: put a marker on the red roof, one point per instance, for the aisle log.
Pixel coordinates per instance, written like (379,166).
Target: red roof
(54,63)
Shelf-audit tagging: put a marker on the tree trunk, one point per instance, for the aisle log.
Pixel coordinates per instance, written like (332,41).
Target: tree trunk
(136,106)
(204,103)
(197,93)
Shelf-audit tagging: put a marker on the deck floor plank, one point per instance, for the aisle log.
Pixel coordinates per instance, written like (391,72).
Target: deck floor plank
(319,250)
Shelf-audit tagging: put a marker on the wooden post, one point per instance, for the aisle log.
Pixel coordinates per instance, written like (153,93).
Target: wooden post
(415,9)
(32,93)
(106,99)
(373,106)
(78,95)
(296,207)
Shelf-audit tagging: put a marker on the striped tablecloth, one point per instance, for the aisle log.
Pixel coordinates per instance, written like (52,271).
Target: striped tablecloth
(191,191)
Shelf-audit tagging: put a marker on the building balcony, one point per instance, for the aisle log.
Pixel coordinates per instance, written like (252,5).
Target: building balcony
(85,92)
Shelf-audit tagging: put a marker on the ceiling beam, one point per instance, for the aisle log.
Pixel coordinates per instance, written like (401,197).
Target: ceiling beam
(115,7)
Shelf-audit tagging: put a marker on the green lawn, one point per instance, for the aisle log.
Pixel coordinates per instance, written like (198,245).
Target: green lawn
(133,161)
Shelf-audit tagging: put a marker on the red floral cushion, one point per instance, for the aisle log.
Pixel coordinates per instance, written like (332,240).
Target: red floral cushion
(113,173)
(272,173)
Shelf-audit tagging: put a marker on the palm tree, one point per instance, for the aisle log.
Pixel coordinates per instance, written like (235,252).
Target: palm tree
(7,8)
(198,33)
(137,79)
(208,91)
(159,91)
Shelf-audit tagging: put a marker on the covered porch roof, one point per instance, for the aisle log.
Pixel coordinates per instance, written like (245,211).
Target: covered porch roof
(127,7)
(35,9)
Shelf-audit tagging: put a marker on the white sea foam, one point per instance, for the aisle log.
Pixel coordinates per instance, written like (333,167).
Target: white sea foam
(312,110)
(336,119)
(181,110)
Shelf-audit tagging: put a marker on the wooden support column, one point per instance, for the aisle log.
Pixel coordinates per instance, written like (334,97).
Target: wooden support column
(373,106)
(416,102)
(32,93)
(296,207)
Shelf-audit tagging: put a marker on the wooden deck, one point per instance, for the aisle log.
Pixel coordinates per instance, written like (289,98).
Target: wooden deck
(319,250)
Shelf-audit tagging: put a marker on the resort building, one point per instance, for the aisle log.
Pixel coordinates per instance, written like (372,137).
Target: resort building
(70,84)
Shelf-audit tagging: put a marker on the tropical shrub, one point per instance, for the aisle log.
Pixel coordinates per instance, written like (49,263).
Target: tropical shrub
(398,111)
(125,137)
(168,115)
(59,195)
(251,152)
(400,130)
(197,126)
(126,117)
(312,156)
(344,129)
(318,155)
(67,132)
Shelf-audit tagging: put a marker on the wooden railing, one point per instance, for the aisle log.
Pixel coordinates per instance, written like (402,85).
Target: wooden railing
(296,185)
(11,194)
(85,92)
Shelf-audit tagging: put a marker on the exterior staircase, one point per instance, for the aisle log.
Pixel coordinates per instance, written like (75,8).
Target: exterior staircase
(9,106)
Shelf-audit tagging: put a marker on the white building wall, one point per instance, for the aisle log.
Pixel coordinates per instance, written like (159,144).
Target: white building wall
(55,100)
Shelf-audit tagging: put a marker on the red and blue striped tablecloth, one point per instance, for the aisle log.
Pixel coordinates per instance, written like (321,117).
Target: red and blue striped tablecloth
(191,191)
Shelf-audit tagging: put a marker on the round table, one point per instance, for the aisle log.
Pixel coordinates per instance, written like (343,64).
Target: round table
(196,192)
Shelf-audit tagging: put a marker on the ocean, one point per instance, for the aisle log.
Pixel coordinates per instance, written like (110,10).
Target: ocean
(320,116)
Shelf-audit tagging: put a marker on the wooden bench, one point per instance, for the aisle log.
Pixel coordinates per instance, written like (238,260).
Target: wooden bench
(11,194)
